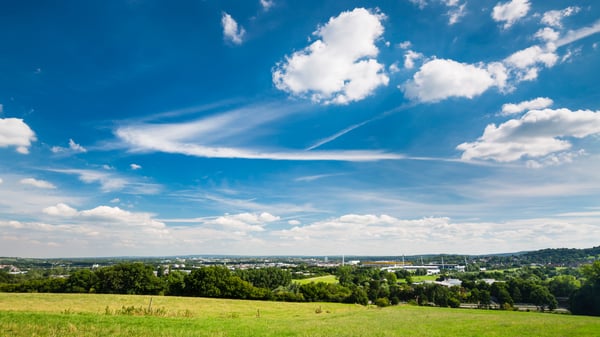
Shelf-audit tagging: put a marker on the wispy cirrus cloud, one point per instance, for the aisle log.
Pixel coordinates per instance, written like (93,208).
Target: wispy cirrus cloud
(317,177)
(37,183)
(221,136)
(110,181)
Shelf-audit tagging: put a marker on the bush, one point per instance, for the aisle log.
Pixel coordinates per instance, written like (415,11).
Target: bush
(382,302)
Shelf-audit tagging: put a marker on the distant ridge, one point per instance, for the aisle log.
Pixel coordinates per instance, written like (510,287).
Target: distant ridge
(563,256)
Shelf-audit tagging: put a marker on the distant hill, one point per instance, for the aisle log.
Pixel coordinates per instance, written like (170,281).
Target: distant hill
(562,255)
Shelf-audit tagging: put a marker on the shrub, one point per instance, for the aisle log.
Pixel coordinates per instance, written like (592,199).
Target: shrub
(382,302)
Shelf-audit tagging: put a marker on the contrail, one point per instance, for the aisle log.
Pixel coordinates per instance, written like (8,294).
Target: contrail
(338,134)
(356,126)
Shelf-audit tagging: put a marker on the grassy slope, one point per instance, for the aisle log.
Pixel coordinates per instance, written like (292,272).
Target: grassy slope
(84,315)
(325,279)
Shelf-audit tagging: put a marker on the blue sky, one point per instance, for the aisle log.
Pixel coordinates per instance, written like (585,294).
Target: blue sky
(298,128)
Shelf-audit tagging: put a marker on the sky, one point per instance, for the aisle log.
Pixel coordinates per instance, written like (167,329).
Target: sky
(273,127)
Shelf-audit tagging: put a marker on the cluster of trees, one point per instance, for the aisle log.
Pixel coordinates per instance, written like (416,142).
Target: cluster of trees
(356,285)
(586,300)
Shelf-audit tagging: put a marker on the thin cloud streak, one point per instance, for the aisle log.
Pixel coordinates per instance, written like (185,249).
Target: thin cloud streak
(337,135)
(358,125)
(576,35)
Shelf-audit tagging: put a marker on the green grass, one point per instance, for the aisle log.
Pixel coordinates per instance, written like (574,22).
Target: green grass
(422,278)
(85,315)
(326,279)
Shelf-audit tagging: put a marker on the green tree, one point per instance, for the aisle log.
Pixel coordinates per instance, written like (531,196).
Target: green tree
(216,281)
(128,278)
(541,297)
(175,283)
(82,281)
(563,285)
(586,300)
(358,295)
(269,278)
(500,291)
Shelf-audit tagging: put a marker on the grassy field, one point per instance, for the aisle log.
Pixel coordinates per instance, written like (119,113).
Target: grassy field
(101,315)
(326,279)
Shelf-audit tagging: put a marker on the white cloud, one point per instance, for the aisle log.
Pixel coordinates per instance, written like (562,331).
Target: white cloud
(267,4)
(393,68)
(245,222)
(410,57)
(60,209)
(294,222)
(37,183)
(110,181)
(14,132)
(73,147)
(554,18)
(115,201)
(405,45)
(440,79)
(534,104)
(536,134)
(547,34)
(1,181)
(135,166)
(511,11)
(361,234)
(420,3)
(568,56)
(106,219)
(457,11)
(555,159)
(117,215)
(340,67)
(525,58)
(231,31)
(76,147)
(525,63)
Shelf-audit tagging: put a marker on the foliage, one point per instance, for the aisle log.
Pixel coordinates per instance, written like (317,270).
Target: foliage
(269,278)
(586,300)
(128,278)
(220,282)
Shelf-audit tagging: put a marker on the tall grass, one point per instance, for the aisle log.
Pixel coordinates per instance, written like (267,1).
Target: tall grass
(86,315)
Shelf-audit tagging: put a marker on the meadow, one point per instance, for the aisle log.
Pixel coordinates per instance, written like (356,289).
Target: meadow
(325,279)
(128,315)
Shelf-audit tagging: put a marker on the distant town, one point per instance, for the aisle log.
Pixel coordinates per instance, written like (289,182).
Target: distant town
(557,280)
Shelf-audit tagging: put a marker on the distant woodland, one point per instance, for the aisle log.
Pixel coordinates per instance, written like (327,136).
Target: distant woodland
(546,279)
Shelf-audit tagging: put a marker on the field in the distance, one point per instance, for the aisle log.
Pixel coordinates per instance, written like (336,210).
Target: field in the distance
(99,315)
(325,279)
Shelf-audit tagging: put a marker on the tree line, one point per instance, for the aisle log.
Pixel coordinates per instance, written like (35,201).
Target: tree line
(359,285)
